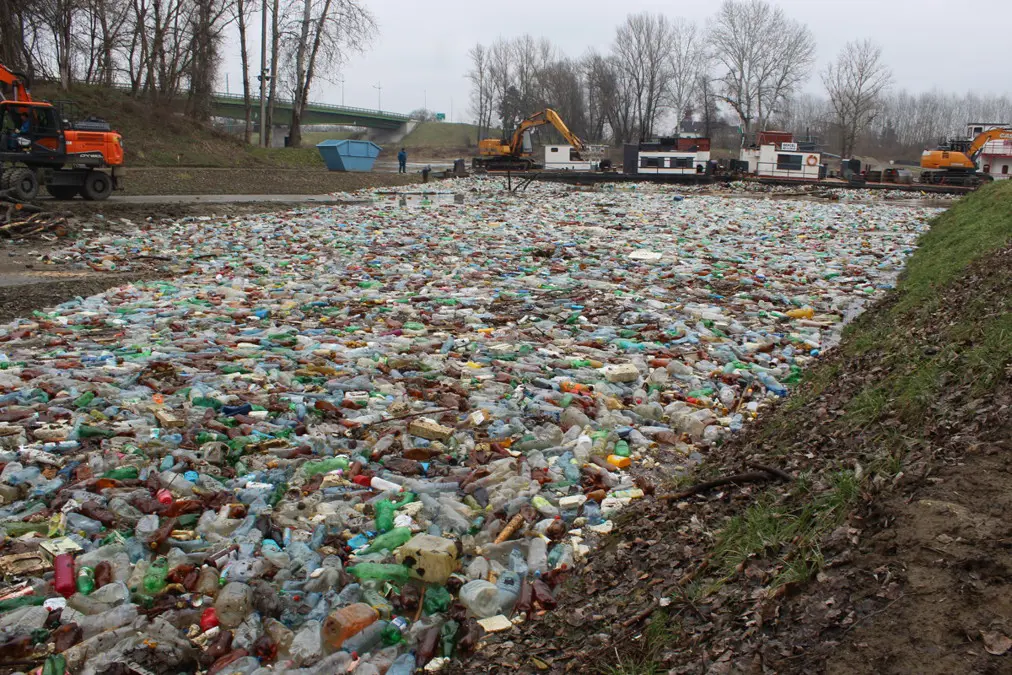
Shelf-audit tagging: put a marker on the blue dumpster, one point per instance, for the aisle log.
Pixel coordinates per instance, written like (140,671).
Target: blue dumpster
(348,155)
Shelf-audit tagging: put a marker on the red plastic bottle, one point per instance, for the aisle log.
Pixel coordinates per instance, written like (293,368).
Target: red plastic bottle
(164,496)
(208,619)
(63,569)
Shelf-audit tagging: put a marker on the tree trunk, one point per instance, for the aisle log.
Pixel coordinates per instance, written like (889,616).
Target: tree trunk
(244,57)
(275,54)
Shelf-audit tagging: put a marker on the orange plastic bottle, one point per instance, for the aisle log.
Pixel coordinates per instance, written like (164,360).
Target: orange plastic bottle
(342,623)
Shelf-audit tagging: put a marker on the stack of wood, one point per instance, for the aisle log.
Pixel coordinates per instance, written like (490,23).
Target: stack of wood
(21,219)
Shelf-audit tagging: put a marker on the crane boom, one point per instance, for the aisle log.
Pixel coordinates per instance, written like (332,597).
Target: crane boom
(15,81)
(546,116)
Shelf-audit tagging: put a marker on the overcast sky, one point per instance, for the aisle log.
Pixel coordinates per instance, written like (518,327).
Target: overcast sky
(420,53)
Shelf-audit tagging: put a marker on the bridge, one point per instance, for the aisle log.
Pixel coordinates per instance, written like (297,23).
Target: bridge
(234,107)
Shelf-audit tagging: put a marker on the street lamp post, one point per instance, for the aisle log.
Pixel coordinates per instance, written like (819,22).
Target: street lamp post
(379,96)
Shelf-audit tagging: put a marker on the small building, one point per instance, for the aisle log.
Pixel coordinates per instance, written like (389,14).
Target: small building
(669,156)
(778,155)
(995,158)
(566,158)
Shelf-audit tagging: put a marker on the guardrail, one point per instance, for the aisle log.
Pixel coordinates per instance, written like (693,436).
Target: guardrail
(321,106)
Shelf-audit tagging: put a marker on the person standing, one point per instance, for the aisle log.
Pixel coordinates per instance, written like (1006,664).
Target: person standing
(402,161)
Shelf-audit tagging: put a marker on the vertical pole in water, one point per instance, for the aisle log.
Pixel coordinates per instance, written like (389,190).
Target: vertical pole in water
(263,74)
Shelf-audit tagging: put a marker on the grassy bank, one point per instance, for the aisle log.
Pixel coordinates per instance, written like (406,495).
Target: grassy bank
(160,136)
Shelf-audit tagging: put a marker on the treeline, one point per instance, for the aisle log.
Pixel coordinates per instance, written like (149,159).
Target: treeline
(742,71)
(908,122)
(168,50)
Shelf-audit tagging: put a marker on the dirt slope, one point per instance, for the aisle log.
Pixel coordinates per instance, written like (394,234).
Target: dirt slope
(888,551)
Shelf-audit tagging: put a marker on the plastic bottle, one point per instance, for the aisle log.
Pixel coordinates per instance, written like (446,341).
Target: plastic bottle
(389,541)
(403,665)
(85,580)
(366,639)
(384,515)
(508,585)
(345,622)
(63,571)
(154,578)
(397,574)
(481,598)
(233,603)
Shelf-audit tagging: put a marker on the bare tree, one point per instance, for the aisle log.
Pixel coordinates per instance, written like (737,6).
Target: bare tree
(707,98)
(59,16)
(241,11)
(272,85)
(765,56)
(688,60)
(642,54)
(206,26)
(481,88)
(326,30)
(855,83)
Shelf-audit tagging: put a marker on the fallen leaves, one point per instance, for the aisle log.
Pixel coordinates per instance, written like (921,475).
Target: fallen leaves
(996,643)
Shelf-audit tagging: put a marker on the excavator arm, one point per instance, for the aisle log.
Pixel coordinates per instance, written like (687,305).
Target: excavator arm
(983,139)
(16,82)
(546,116)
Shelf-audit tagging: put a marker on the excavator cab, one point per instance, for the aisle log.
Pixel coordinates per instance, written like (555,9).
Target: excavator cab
(44,135)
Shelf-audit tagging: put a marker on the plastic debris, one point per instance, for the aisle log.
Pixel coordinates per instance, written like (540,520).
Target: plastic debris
(372,432)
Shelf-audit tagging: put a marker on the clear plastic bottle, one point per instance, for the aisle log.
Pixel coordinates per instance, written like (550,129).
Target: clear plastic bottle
(481,598)
(233,604)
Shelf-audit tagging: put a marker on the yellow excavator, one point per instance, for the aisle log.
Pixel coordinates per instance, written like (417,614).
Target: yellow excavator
(956,162)
(515,154)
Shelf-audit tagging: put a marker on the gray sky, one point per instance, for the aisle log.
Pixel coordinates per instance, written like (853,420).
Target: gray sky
(420,54)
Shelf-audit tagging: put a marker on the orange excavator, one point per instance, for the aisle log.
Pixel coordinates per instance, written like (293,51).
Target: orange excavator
(955,163)
(515,154)
(39,148)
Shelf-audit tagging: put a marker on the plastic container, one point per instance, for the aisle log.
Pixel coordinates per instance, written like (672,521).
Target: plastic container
(346,622)
(431,559)
(348,155)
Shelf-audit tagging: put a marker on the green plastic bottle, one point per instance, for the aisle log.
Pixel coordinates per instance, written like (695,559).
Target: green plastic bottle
(55,665)
(384,515)
(154,578)
(398,574)
(24,601)
(406,498)
(448,636)
(85,431)
(122,473)
(622,449)
(85,580)
(325,465)
(389,541)
(84,399)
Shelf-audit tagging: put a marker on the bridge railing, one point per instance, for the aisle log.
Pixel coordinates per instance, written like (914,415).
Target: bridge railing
(372,112)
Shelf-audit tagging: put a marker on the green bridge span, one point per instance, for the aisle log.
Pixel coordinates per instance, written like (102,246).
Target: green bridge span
(232,106)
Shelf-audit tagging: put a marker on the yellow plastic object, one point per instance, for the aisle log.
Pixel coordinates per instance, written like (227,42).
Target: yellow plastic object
(803,313)
(619,462)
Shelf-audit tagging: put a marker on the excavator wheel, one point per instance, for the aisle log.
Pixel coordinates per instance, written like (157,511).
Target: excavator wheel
(23,184)
(62,192)
(97,186)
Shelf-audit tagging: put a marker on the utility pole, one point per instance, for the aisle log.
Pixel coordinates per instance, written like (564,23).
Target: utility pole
(342,90)
(263,74)
(425,99)
(379,96)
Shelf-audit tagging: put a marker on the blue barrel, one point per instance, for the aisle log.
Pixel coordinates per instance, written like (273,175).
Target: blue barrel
(348,155)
